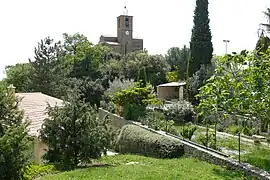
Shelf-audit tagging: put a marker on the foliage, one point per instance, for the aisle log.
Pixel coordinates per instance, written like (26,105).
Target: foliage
(18,75)
(172,76)
(247,131)
(14,140)
(239,86)
(234,129)
(155,66)
(73,133)
(180,112)
(35,171)
(133,101)
(150,169)
(187,131)
(208,141)
(45,64)
(262,44)
(134,139)
(156,120)
(142,78)
(118,85)
(199,79)
(259,157)
(201,47)
(267,25)
(108,105)
(177,59)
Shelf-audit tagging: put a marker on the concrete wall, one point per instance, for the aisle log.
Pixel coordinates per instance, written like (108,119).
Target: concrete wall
(39,150)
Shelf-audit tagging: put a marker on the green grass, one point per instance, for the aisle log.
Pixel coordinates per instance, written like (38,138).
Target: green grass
(259,157)
(149,168)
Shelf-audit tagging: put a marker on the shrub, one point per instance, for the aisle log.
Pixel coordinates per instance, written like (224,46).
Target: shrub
(247,131)
(181,112)
(118,85)
(15,143)
(172,76)
(73,133)
(133,139)
(35,171)
(156,120)
(108,105)
(187,131)
(133,101)
(202,139)
(233,129)
(133,111)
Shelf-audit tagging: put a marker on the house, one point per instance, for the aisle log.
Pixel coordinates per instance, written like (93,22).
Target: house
(34,105)
(173,91)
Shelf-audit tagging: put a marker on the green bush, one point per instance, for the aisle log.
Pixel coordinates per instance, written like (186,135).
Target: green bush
(247,131)
(134,139)
(187,131)
(133,111)
(15,143)
(35,171)
(181,112)
(233,129)
(132,102)
(202,139)
(156,120)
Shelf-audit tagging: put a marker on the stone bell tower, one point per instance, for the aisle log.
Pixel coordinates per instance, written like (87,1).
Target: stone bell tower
(124,42)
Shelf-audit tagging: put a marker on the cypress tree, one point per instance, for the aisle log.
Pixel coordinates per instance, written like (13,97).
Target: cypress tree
(201,46)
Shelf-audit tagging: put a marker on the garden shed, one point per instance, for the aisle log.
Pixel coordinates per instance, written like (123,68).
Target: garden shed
(173,91)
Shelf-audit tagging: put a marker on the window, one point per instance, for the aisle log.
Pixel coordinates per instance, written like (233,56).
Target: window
(127,23)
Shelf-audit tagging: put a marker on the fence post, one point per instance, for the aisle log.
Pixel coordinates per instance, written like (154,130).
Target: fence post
(239,146)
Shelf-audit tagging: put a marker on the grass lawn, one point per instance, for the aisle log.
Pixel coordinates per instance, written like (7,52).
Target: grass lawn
(148,168)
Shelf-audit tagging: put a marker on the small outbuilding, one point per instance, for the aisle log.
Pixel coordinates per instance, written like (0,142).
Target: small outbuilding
(173,91)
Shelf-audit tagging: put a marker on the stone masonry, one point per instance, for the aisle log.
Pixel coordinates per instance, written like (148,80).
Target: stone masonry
(124,42)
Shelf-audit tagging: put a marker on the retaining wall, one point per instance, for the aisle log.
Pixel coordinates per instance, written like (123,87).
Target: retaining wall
(195,150)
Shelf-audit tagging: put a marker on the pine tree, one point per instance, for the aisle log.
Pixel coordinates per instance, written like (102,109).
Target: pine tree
(201,47)
(73,133)
(45,72)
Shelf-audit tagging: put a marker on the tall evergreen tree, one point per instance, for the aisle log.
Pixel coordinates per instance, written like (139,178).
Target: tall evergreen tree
(45,72)
(267,15)
(200,45)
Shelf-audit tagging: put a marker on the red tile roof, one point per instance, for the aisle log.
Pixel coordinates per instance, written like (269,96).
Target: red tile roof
(34,106)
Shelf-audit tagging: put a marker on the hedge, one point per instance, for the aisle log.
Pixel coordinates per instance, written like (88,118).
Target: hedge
(136,140)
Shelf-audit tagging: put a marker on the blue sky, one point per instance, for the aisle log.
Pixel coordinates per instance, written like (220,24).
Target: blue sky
(161,23)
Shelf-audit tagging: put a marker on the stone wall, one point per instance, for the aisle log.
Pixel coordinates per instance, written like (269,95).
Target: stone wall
(195,150)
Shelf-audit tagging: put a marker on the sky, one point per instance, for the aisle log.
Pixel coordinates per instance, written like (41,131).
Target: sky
(161,23)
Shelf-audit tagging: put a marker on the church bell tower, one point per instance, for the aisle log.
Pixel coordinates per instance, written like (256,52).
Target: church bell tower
(125,31)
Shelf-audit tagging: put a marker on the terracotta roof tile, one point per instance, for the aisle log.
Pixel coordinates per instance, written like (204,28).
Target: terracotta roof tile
(34,106)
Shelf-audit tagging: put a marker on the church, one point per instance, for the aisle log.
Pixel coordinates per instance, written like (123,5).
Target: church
(124,43)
